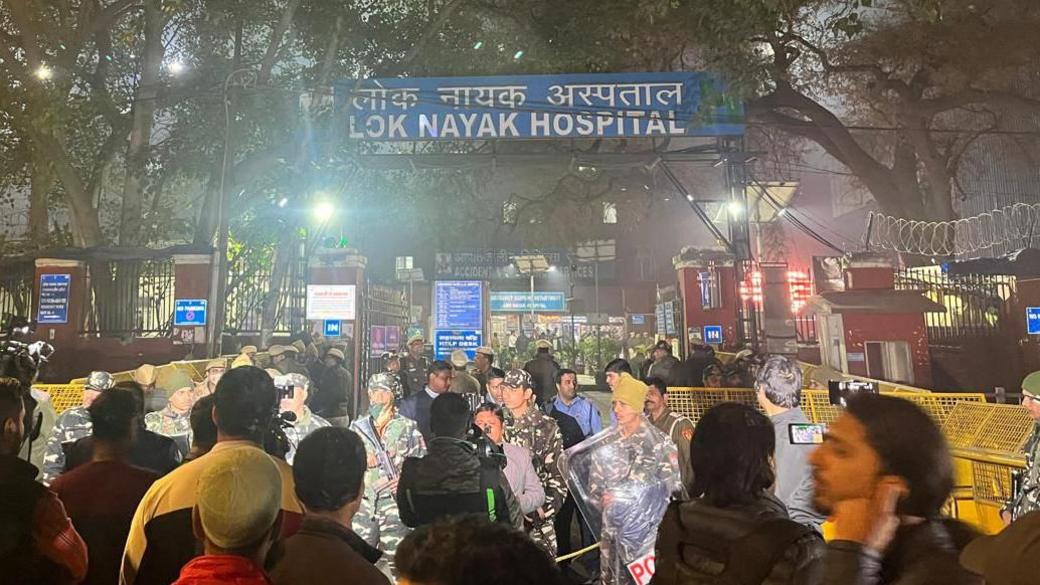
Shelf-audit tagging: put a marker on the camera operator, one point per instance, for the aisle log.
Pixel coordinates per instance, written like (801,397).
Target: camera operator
(22,362)
(293,393)
(161,539)
(453,479)
(39,543)
(72,425)
(779,392)
(519,470)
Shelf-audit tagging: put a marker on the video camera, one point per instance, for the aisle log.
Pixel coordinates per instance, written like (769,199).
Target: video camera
(486,448)
(276,441)
(12,326)
(839,390)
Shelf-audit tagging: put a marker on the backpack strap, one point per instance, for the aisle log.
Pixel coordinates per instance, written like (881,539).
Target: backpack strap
(751,558)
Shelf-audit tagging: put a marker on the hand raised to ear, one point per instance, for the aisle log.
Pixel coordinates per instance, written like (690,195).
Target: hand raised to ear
(872,521)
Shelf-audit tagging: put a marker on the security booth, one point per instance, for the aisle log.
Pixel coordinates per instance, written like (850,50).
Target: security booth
(870,329)
(710,302)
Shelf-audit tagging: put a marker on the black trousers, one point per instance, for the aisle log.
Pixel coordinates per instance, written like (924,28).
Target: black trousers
(563,524)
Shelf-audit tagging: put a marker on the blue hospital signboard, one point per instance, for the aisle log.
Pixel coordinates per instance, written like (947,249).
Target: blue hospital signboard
(713,334)
(445,342)
(1033,320)
(588,105)
(525,302)
(54,299)
(189,312)
(458,304)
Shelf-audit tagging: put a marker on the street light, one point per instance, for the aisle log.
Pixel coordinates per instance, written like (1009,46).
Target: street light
(176,68)
(532,264)
(43,73)
(323,211)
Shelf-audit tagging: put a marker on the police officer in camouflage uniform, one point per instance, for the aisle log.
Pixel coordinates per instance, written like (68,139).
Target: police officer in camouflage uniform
(72,425)
(388,438)
(631,480)
(305,421)
(1028,497)
(538,433)
(174,420)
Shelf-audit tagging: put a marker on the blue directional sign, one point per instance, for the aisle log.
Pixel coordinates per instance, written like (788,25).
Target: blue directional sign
(458,305)
(332,328)
(525,302)
(713,334)
(189,312)
(445,342)
(54,299)
(1033,320)
(638,319)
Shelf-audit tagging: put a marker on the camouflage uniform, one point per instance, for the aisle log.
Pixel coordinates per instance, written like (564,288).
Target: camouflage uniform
(539,434)
(631,466)
(378,521)
(1028,499)
(71,426)
(305,425)
(170,423)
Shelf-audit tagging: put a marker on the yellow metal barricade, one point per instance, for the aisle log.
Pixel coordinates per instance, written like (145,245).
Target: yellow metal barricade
(63,396)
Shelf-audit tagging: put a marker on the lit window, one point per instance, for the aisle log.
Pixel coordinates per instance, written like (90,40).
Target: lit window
(405,263)
(609,212)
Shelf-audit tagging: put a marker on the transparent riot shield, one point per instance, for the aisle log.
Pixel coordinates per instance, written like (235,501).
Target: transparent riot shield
(622,486)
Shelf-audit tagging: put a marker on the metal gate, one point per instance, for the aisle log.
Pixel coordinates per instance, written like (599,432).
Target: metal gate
(382,323)
(976,304)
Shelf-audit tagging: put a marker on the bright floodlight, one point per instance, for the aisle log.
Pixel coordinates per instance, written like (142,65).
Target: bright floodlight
(283,202)
(176,68)
(552,269)
(735,208)
(323,211)
(44,73)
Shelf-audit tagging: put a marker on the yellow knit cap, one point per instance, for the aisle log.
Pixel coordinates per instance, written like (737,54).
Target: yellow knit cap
(630,391)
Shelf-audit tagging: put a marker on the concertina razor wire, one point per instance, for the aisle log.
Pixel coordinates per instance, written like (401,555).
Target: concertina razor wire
(999,231)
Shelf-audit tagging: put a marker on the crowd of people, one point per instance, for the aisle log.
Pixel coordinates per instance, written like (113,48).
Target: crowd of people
(457,475)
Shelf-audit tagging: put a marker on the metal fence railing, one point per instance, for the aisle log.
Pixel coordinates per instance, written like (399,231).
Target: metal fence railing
(130,298)
(976,305)
(805,330)
(250,281)
(16,289)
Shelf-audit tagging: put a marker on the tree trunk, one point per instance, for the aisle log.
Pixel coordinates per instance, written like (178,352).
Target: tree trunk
(41,184)
(141,131)
(86,229)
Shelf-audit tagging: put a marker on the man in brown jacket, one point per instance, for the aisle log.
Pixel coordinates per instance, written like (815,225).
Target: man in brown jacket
(329,470)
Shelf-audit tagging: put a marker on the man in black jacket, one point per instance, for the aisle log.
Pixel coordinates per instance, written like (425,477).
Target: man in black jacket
(543,369)
(38,543)
(882,474)
(452,479)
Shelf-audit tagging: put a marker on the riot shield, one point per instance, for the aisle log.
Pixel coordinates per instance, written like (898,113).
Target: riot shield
(622,485)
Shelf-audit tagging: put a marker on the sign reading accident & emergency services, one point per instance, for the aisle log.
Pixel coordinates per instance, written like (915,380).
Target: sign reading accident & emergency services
(593,105)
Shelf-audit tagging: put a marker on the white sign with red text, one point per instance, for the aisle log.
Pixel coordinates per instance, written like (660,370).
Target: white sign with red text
(329,302)
(642,569)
